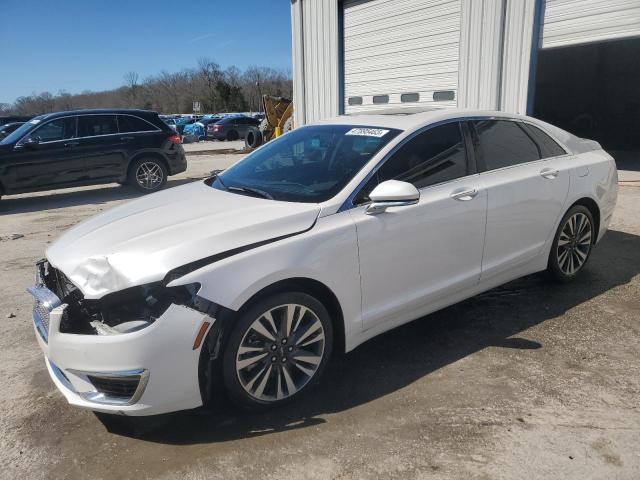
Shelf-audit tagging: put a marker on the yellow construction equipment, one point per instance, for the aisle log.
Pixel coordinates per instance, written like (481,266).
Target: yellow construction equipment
(278,119)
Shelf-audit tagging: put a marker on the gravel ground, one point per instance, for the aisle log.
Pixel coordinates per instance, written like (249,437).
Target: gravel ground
(529,380)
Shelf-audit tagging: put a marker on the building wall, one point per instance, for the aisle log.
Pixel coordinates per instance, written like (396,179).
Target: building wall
(520,41)
(497,38)
(570,22)
(480,54)
(315,59)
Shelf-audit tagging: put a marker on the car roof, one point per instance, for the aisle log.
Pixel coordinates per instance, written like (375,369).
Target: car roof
(410,119)
(95,111)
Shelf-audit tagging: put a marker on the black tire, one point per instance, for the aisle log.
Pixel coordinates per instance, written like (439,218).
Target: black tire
(243,334)
(156,174)
(232,135)
(566,261)
(253,138)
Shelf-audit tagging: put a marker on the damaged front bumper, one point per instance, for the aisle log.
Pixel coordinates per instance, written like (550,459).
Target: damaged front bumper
(145,371)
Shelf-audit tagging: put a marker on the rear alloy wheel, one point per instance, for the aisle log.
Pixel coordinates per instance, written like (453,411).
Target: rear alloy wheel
(148,175)
(278,350)
(572,244)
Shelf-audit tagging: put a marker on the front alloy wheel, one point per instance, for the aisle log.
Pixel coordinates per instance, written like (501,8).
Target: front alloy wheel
(278,349)
(572,244)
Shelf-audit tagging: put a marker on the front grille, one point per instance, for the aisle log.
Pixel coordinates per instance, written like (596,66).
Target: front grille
(120,387)
(41,311)
(44,302)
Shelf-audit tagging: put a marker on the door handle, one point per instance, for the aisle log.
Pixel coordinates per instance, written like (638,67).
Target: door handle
(549,173)
(71,144)
(465,194)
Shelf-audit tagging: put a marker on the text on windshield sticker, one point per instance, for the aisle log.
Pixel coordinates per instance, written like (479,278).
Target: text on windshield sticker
(368,132)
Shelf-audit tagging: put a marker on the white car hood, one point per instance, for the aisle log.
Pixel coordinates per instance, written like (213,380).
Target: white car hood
(142,240)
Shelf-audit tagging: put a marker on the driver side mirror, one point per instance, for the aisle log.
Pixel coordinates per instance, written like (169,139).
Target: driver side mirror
(31,142)
(392,193)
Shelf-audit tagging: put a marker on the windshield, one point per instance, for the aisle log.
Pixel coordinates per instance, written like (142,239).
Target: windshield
(19,133)
(310,164)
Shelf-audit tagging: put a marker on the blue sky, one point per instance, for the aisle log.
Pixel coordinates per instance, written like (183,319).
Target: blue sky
(76,45)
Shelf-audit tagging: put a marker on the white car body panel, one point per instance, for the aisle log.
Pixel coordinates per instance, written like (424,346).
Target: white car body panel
(522,211)
(140,241)
(384,270)
(172,378)
(433,249)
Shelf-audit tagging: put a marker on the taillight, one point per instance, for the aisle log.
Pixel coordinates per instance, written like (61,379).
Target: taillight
(216,127)
(175,138)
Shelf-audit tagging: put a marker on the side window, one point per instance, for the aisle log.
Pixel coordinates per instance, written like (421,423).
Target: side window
(128,124)
(502,143)
(59,129)
(94,125)
(548,146)
(434,156)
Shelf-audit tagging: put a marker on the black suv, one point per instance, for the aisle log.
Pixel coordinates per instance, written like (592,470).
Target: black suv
(85,147)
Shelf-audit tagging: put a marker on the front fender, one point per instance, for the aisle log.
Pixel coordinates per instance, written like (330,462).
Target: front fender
(328,253)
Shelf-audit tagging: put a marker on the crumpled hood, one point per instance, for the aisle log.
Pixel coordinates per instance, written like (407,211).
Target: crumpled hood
(142,240)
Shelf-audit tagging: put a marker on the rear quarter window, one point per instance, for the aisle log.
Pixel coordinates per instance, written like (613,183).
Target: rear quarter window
(548,146)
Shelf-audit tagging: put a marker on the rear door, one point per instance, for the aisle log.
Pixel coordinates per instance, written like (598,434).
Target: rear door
(103,148)
(526,193)
(53,161)
(137,134)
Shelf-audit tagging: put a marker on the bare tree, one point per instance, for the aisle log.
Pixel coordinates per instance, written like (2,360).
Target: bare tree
(211,74)
(131,82)
(216,89)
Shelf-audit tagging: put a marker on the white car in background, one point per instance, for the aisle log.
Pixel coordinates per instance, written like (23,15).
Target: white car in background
(245,283)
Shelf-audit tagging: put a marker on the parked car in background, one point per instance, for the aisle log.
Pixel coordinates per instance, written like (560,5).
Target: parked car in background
(13,119)
(231,128)
(183,122)
(7,128)
(171,122)
(324,238)
(84,147)
(198,131)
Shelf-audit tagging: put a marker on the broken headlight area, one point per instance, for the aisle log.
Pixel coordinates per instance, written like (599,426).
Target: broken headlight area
(120,312)
(125,311)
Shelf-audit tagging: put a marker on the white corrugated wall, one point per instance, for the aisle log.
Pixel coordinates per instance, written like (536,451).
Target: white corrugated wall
(480,54)
(516,57)
(570,22)
(396,47)
(315,59)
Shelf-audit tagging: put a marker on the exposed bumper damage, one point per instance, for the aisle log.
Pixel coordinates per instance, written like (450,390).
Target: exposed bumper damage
(113,354)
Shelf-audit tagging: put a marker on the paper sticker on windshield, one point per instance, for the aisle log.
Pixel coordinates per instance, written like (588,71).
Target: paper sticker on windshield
(368,132)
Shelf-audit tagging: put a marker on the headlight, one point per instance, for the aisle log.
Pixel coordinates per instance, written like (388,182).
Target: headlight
(128,310)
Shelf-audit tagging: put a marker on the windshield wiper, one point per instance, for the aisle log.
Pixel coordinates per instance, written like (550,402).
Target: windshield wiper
(250,190)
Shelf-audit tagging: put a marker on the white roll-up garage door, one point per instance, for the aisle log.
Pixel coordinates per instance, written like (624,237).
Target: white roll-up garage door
(400,53)
(570,22)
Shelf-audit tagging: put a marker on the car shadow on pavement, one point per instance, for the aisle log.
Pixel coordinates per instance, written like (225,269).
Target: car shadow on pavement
(73,198)
(405,355)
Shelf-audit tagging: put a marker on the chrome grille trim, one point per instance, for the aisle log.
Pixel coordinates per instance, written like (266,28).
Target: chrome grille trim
(45,302)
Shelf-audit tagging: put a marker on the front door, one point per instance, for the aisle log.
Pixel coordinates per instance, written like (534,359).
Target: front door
(414,256)
(52,161)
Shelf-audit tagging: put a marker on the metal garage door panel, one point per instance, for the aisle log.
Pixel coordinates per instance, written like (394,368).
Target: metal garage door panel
(393,47)
(570,22)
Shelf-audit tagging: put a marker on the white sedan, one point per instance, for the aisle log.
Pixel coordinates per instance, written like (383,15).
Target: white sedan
(245,283)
